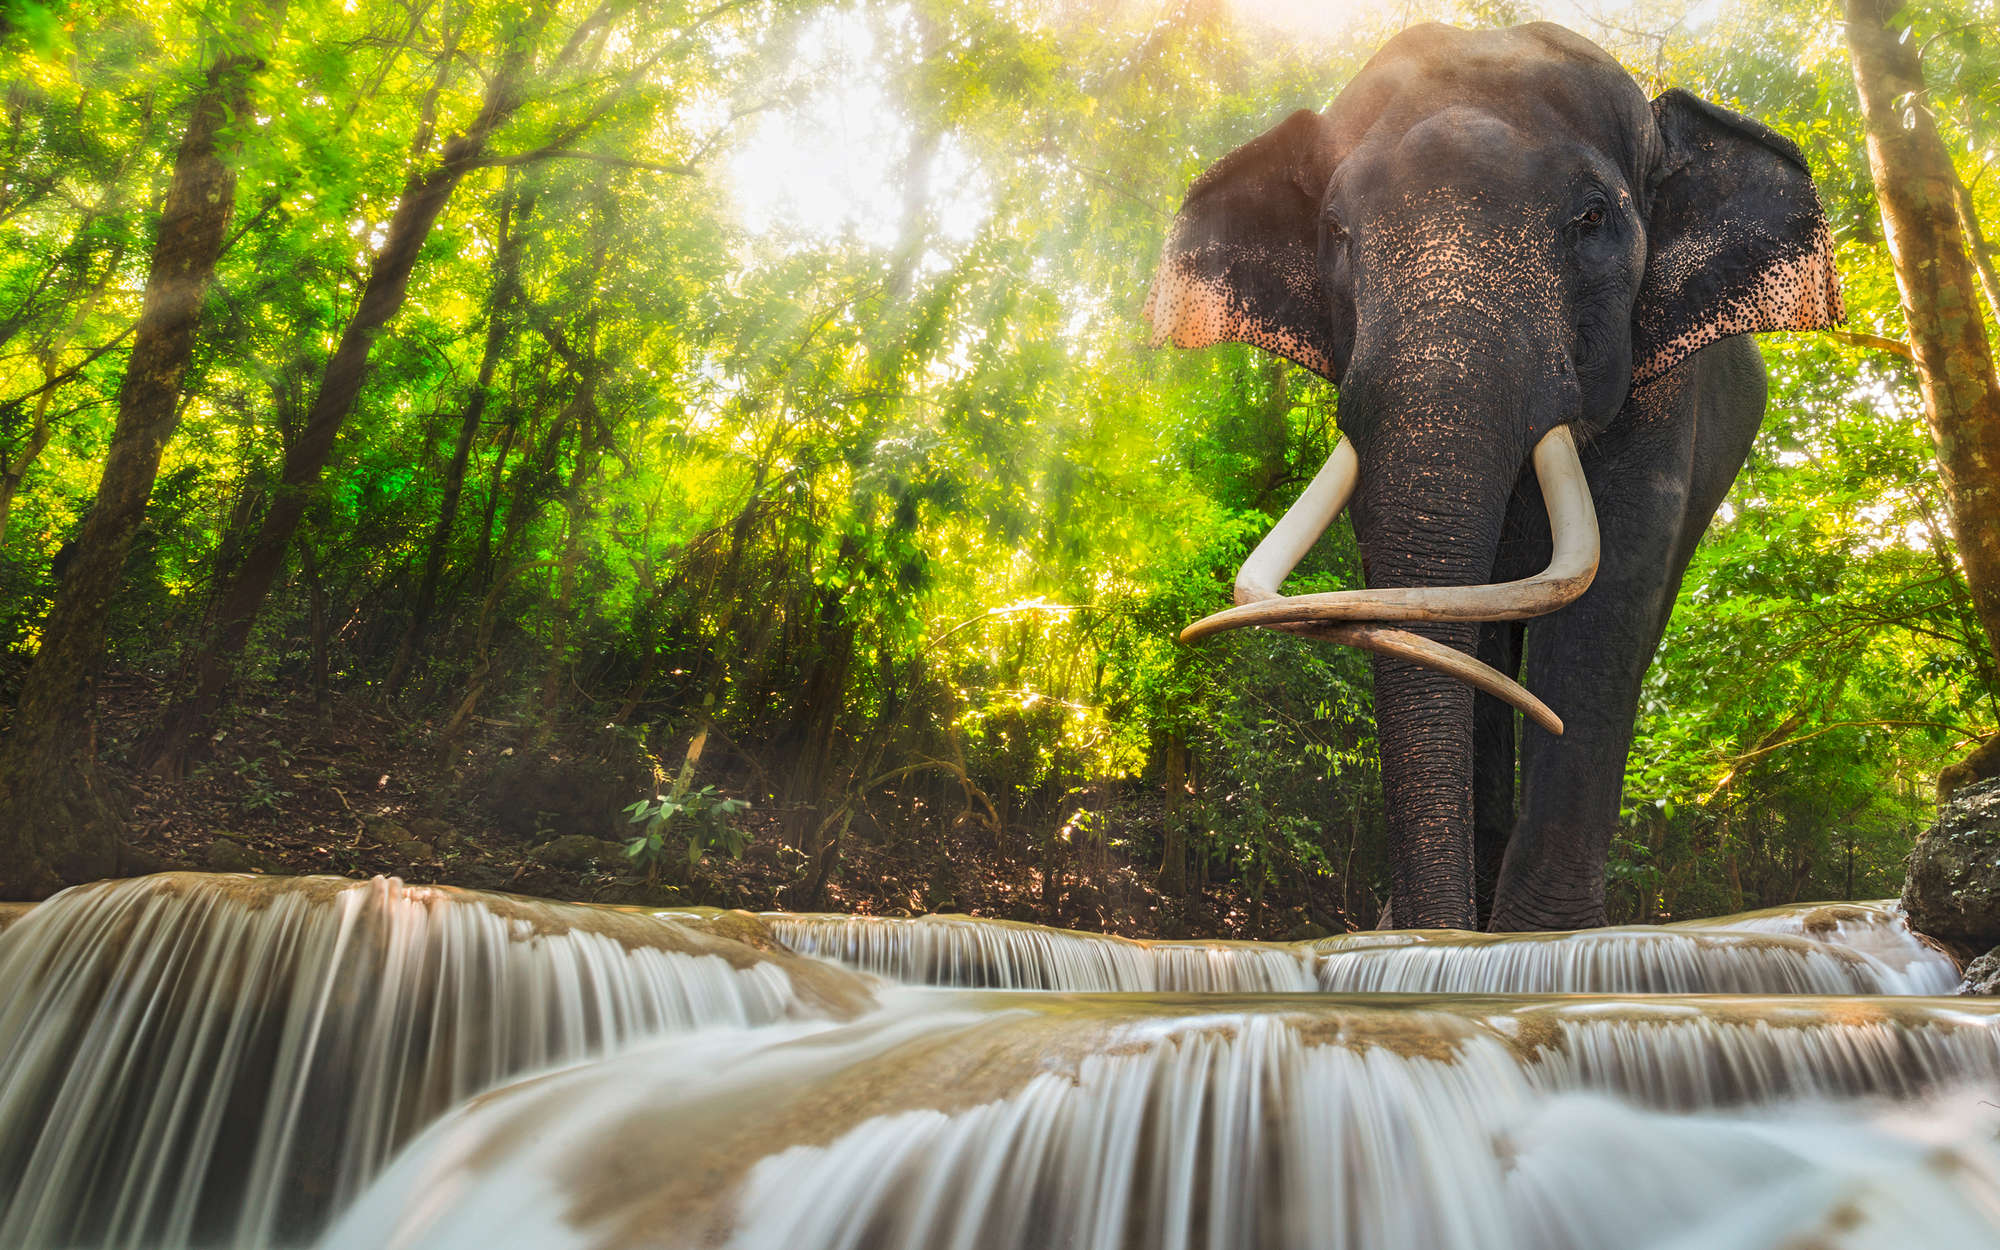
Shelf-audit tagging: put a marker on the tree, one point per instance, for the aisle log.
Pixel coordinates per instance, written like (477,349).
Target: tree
(514,210)
(55,817)
(425,195)
(1921,202)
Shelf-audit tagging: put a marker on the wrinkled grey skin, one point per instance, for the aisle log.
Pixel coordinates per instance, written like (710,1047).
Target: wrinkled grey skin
(1488,235)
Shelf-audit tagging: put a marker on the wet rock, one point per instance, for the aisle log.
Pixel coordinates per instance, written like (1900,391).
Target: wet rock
(227,854)
(400,843)
(578,851)
(1982,975)
(139,861)
(1952,892)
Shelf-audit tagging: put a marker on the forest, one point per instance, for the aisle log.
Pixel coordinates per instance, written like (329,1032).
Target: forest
(709,451)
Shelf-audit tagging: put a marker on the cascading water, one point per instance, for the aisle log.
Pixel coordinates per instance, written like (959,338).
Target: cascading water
(983,1123)
(974,953)
(194,1061)
(1843,949)
(1608,961)
(1876,929)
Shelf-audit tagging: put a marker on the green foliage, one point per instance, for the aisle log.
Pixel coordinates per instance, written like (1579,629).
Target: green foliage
(699,819)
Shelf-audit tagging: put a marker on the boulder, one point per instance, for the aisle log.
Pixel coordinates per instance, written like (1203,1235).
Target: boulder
(641,894)
(385,832)
(411,851)
(434,831)
(1982,764)
(577,851)
(227,854)
(1952,892)
(1982,975)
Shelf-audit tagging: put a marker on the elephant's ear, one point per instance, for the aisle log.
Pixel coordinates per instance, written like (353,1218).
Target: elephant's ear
(1242,258)
(1738,242)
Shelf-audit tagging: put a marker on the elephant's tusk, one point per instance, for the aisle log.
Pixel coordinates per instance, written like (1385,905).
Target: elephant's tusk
(1353,617)
(1572,565)
(1296,531)
(1435,655)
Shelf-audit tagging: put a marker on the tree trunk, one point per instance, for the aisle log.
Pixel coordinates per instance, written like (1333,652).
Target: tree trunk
(56,820)
(482,567)
(822,699)
(577,510)
(317,623)
(1173,857)
(1918,191)
(1976,245)
(506,284)
(531,484)
(423,200)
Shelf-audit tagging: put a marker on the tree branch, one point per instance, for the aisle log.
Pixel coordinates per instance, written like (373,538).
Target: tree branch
(571,154)
(1857,338)
(1786,741)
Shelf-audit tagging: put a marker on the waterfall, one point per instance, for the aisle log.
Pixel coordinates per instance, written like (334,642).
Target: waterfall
(973,953)
(980,1122)
(1877,929)
(231,1061)
(965,951)
(201,1060)
(1817,949)
(1605,961)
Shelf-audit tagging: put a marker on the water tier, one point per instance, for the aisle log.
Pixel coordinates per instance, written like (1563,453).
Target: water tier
(1854,948)
(189,1059)
(984,1122)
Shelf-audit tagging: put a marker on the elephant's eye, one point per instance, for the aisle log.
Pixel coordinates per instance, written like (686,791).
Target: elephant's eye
(1589,219)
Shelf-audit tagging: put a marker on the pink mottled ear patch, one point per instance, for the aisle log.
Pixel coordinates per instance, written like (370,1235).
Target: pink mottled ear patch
(1188,310)
(1798,292)
(1738,240)
(1189,307)
(1241,263)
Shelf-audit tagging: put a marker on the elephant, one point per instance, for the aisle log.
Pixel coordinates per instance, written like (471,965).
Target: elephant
(1533,289)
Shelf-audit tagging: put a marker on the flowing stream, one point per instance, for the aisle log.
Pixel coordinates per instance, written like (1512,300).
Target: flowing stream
(192,1061)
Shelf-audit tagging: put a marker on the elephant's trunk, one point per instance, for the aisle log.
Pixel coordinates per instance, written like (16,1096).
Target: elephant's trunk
(1429,510)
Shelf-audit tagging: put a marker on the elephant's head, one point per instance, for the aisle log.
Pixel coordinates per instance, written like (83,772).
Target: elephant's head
(1488,241)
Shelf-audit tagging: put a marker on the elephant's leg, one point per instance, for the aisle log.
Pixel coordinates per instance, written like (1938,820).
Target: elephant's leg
(1586,662)
(1657,480)
(1493,765)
